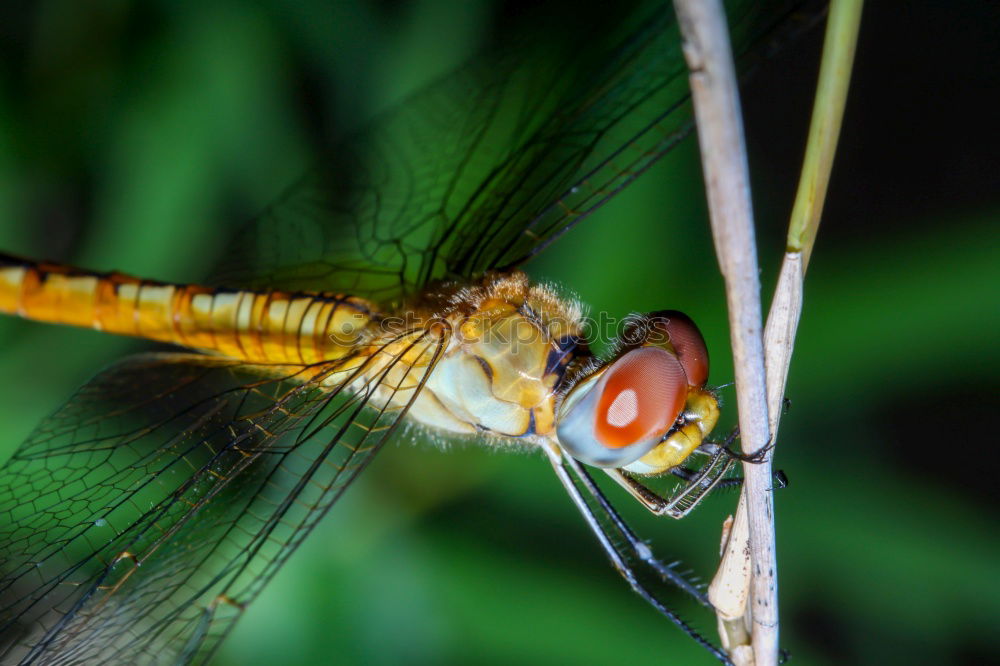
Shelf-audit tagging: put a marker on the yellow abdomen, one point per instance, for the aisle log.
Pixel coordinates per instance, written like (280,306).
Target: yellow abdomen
(259,327)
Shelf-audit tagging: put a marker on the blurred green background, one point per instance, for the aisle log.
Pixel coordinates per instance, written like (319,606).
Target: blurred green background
(136,136)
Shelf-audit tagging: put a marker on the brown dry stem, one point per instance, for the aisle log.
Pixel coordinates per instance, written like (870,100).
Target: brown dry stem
(761,360)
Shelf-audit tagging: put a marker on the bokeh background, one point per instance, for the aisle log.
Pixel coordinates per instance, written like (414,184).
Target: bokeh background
(137,136)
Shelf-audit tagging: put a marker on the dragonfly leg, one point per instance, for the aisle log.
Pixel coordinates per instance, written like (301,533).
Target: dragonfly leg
(726,447)
(699,483)
(621,544)
(780,479)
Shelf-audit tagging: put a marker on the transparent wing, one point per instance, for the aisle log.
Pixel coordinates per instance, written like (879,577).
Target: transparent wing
(486,167)
(140,519)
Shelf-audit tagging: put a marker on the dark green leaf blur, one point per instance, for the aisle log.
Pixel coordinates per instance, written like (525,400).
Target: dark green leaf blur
(138,136)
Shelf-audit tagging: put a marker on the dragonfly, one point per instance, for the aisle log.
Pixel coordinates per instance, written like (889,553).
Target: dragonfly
(380,297)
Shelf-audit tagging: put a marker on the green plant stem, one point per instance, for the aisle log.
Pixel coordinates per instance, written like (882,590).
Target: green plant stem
(824,130)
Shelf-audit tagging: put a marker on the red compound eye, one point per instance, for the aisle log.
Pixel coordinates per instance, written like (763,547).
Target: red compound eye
(642,394)
(684,335)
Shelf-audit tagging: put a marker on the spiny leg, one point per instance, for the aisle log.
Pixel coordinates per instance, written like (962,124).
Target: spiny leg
(579,481)
(780,479)
(698,486)
(699,482)
(726,447)
(711,448)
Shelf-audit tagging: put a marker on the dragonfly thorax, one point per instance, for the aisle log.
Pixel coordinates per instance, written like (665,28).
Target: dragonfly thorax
(511,342)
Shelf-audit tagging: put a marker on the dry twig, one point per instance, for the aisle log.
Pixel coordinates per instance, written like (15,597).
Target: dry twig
(761,361)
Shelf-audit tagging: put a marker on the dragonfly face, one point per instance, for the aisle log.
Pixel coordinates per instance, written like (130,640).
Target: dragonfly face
(139,520)
(648,409)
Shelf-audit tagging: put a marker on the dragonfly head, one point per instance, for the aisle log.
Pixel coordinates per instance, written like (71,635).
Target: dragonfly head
(648,408)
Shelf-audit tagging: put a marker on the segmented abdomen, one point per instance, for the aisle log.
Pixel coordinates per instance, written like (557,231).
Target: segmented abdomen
(261,327)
